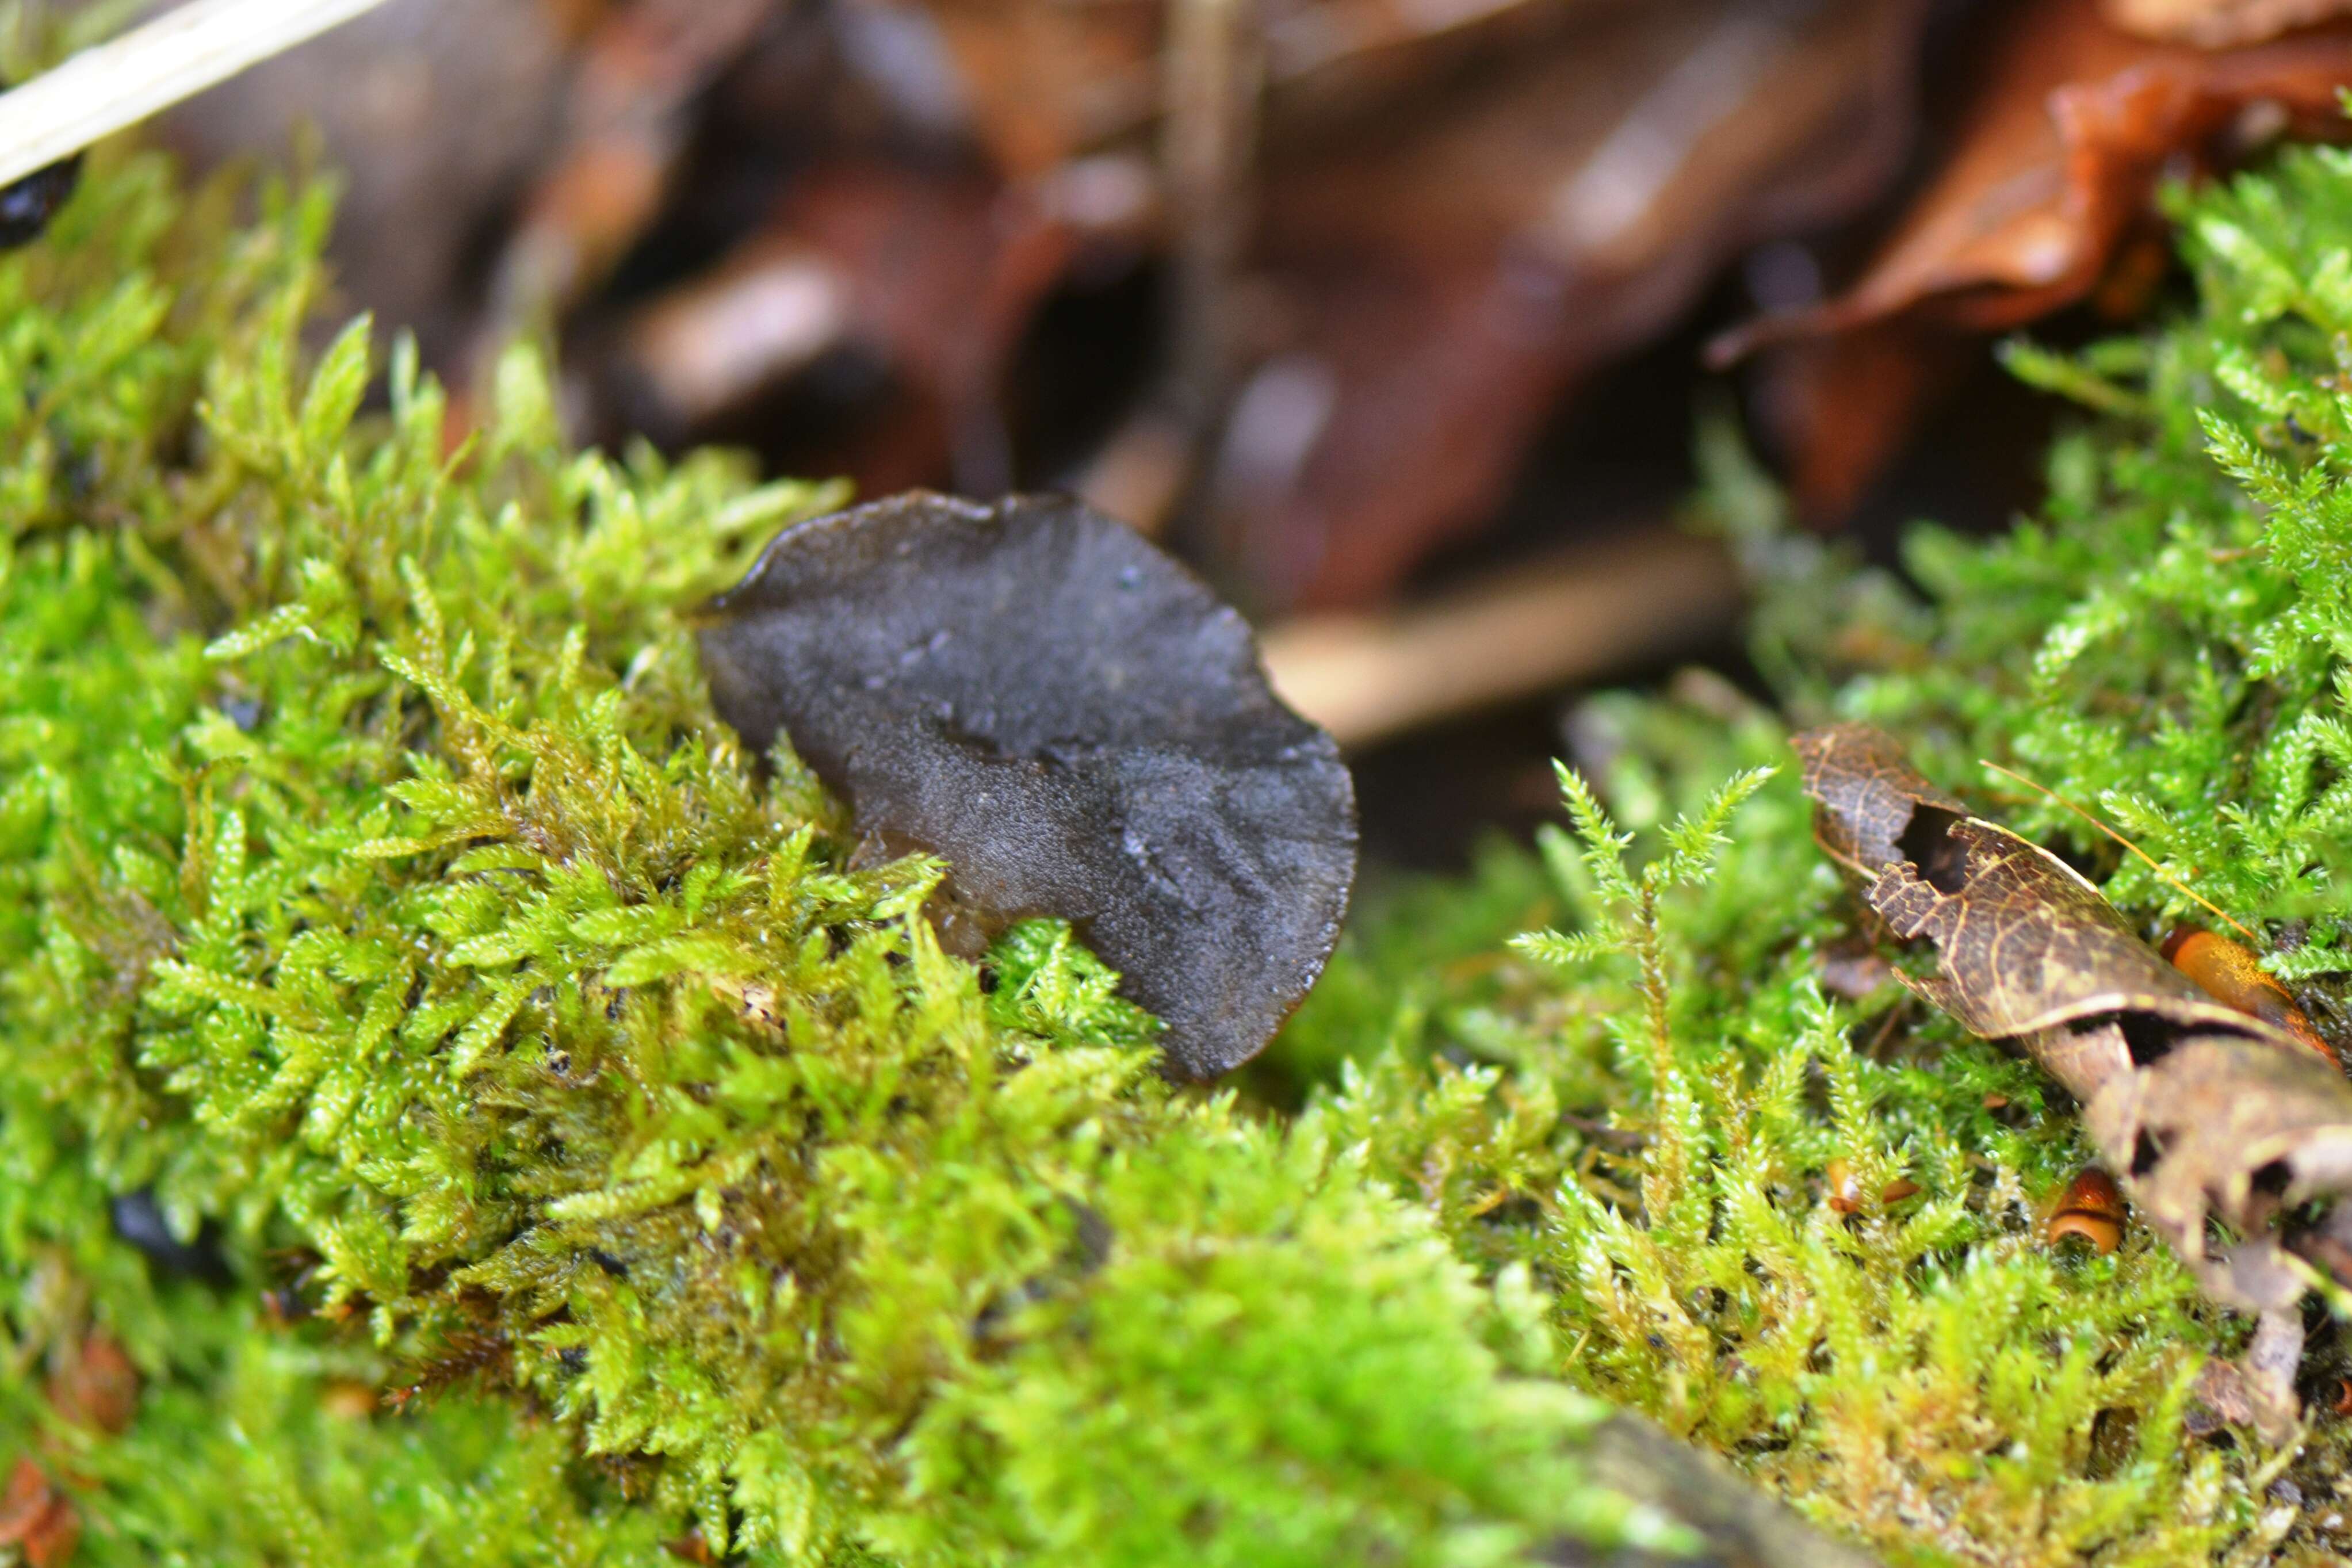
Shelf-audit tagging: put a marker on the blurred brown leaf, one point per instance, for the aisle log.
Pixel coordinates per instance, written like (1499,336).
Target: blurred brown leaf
(841,224)
(1415,291)
(2068,132)
(931,274)
(1841,407)
(2044,200)
(1437,285)
(2213,23)
(2210,1113)
(625,122)
(432,112)
(1045,80)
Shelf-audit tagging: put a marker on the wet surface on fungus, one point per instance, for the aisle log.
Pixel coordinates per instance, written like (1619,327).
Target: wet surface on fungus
(1078,724)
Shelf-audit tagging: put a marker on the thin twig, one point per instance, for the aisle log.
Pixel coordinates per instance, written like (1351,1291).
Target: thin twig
(2169,880)
(1215,70)
(120,82)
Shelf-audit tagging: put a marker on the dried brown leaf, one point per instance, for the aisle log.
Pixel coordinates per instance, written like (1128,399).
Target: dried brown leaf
(2242,1129)
(2024,943)
(2210,1113)
(1868,791)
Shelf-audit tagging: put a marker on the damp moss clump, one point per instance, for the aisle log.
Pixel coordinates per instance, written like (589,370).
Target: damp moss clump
(530,1076)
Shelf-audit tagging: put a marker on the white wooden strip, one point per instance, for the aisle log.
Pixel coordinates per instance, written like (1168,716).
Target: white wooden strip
(151,68)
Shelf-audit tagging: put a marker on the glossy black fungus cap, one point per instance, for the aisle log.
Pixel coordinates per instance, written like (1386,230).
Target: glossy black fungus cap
(1077,723)
(27,205)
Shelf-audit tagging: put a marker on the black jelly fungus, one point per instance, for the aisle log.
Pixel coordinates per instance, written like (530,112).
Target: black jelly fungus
(27,205)
(1077,723)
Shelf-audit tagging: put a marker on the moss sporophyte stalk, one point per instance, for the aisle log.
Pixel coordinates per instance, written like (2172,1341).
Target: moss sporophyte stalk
(385,905)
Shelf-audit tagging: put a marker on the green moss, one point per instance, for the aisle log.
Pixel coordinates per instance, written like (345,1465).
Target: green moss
(1649,1132)
(258,1447)
(1644,1111)
(382,895)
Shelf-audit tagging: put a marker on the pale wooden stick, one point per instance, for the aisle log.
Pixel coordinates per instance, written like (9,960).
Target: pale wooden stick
(151,68)
(1579,615)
